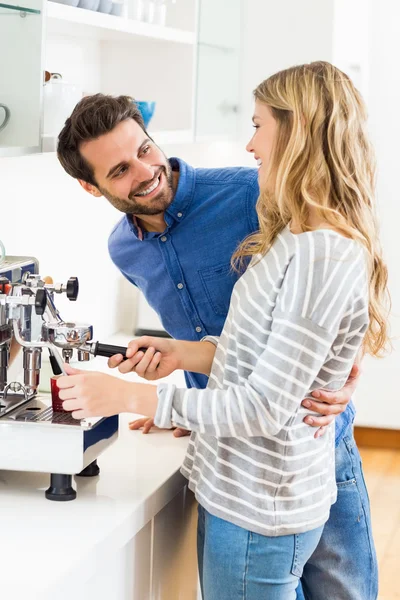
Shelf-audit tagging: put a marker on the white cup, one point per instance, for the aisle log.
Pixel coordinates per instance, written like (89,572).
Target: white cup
(137,10)
(149,11)
(117,9)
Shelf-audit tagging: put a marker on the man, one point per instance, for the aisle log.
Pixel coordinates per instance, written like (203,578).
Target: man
(175,242)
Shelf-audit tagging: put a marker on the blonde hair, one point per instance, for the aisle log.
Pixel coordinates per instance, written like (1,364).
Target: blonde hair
(322,158)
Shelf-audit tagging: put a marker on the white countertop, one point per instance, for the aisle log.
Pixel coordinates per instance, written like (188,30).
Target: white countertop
(42,542)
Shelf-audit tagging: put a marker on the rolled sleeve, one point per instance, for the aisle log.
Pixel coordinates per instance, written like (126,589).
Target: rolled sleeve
(163,417)
(213,339)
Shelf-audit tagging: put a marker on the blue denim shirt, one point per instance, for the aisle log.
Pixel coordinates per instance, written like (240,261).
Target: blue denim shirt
(185,272)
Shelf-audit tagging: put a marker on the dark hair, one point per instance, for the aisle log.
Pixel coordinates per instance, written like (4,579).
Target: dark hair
(92,117)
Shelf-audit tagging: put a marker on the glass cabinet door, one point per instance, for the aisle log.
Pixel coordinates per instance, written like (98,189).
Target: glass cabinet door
(217,98)
(21,76)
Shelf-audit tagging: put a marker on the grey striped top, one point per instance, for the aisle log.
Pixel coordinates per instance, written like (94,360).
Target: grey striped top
(296,321)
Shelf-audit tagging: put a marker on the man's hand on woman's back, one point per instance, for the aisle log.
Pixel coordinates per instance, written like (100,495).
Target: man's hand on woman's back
(331,404)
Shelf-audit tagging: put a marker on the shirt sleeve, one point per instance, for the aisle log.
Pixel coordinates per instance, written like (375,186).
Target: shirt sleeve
(298,346)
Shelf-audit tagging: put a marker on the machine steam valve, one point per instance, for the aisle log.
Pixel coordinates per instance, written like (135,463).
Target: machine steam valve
(40,301)
(72,288)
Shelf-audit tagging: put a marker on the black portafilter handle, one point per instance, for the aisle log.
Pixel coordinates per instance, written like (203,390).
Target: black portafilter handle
(99,349)
(108,350)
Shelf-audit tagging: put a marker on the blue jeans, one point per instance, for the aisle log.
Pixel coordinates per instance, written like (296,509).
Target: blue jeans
(344,565)
(236,564)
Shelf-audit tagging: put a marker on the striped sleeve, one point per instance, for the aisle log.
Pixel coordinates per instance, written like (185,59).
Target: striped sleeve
(322,277)
(319,291)
(268,399)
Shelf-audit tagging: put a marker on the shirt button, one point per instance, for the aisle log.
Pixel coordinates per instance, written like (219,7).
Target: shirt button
(179,286)
(164,238)
(179,214)
(198,329)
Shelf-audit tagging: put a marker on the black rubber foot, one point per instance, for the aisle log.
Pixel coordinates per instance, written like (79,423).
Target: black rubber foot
(91,470)
(60,489)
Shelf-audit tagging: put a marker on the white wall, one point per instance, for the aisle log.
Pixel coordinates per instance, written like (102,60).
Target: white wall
(378,400)
(278,35)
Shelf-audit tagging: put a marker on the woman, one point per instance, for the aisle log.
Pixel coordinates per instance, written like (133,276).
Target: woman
(312,297)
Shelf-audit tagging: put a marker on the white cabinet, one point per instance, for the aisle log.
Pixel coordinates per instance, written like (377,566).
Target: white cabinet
(158,563)
(189,67)
(21,35)
(121,55)
(124,575)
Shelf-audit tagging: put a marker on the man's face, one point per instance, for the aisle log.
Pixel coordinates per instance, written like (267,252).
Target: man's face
(130,170)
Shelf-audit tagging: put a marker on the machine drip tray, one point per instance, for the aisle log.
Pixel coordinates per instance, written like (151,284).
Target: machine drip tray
(35,411)
(47,415)
(12,402)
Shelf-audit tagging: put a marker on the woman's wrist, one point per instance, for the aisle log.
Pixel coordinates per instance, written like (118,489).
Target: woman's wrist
(140,398)
(180,349)
(195,356)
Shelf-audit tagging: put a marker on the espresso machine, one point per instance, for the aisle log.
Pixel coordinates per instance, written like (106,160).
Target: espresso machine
(32,436)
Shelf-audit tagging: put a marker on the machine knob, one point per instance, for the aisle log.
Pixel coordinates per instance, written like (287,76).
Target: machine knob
(72,288)
(40,301)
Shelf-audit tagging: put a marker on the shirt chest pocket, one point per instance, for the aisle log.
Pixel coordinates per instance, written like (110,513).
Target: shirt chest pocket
(218,282)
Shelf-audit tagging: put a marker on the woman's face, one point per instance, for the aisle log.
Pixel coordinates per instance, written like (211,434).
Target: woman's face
(263,140)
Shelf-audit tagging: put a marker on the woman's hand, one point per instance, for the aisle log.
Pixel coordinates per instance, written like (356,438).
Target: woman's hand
(147,424)
(92,394)
(144,423)
(162,357)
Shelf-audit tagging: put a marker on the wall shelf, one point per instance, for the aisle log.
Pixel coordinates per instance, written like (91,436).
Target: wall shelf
(161,138)
(78,22)
(17,8)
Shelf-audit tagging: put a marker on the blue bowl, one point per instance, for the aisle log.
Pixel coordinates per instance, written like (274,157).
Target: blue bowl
(146,110)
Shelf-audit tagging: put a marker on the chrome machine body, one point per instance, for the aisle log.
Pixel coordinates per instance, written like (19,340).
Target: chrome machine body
(32,437)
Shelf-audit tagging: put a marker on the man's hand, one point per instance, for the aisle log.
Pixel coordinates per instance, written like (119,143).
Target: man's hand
(146,424)
(331,404)
(161,358)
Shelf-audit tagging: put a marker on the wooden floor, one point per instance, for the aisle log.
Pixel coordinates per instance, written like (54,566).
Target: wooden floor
(382,474)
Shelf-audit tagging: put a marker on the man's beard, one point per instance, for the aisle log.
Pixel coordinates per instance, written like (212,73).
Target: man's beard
(158,204)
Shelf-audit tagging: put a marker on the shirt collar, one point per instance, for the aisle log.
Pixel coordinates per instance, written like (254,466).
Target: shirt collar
(179,205)
(185,190)
(136,228)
